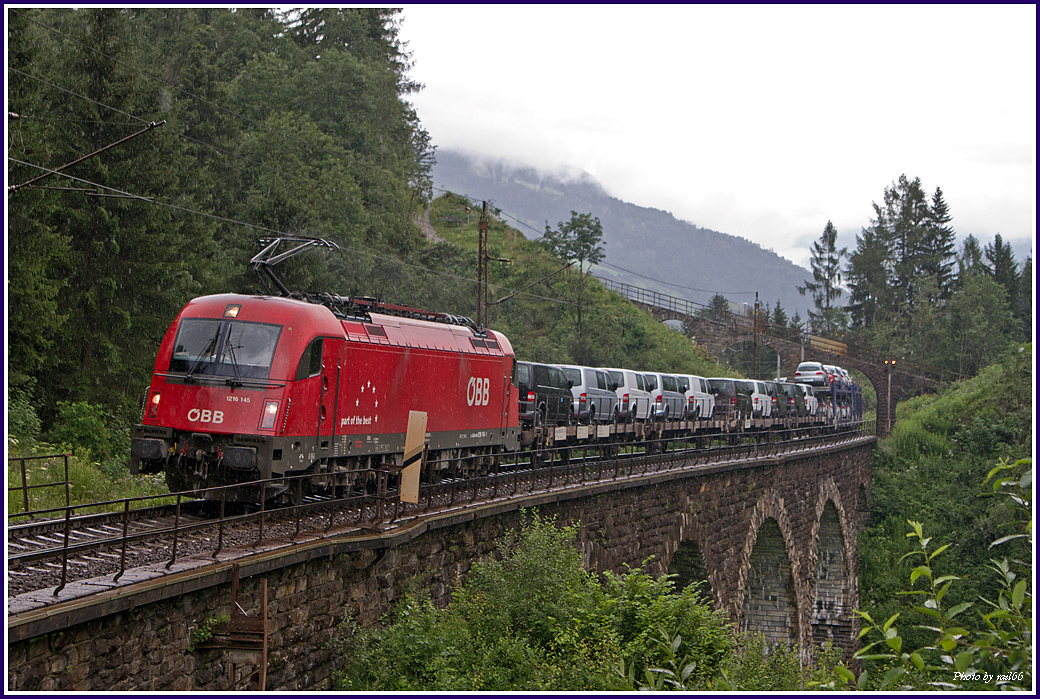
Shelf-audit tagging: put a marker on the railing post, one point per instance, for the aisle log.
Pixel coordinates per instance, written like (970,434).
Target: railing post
(68,493)
(65,551)
(176,530)
(25,487)
(122,556)
(220,524)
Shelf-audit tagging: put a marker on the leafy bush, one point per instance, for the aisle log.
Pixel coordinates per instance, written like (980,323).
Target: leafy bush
(23,424)
(994,649)
(533,619)
(643,607)
(986,419)
(88,430)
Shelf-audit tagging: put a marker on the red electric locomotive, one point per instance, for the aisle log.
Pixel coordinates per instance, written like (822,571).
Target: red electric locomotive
(260,387)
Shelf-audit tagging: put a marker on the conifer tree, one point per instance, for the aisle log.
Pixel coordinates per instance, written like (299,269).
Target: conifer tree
(1003,268)
(938,252)
(825,287)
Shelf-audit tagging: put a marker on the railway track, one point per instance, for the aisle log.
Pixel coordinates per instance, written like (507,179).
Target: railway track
(45,555)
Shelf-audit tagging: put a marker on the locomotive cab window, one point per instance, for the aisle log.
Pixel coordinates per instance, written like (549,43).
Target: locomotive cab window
(310,362)
(215,347)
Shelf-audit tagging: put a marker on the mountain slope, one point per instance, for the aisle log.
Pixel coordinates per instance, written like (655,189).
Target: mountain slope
(642,244)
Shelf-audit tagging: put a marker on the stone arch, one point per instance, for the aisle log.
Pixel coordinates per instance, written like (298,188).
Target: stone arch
(831,615)
(767,599)
(832,562)
(689,568)
(685,557)
(770,605)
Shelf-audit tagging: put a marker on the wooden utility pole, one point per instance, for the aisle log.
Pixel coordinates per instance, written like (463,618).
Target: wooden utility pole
(754,343)
(482,270)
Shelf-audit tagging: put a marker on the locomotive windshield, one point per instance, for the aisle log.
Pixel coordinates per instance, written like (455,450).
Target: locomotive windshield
(231,348)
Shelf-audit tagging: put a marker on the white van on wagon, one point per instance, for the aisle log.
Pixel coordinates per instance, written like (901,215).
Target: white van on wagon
(633,398)
(593,392)
(700,404)
(669,403)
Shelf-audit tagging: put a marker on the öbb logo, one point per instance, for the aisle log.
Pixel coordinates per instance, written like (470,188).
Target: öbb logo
(477,391)
(212,416)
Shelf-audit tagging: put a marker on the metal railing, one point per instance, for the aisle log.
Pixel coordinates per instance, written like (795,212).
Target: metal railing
(25,486)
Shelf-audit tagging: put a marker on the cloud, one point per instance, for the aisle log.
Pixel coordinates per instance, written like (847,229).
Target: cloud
(763,122)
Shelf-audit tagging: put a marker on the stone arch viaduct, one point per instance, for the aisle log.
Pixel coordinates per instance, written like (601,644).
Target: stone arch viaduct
(772,536)
(893,378)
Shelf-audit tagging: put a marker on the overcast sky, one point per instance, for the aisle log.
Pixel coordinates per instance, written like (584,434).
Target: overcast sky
(763,122)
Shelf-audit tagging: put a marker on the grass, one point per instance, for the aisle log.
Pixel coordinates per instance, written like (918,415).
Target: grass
(89,481)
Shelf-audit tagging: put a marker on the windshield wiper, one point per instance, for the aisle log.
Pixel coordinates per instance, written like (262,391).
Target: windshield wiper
(189,377)
(230,353)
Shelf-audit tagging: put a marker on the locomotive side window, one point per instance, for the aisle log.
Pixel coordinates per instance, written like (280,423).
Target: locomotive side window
(310,362)
(224,348)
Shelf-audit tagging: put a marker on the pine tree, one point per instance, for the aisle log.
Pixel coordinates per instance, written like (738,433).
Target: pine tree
(938,247)
(1024,309)
(1003,268)
(779,315)
(903,224)
(825,288)
(717,308)
(970,260)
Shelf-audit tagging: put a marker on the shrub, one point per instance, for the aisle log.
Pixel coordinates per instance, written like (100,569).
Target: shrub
(988,647)
(534,619)
(23,424)
(84,427)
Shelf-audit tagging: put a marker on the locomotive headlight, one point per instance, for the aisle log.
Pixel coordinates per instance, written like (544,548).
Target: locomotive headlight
(267,418)
(153,405)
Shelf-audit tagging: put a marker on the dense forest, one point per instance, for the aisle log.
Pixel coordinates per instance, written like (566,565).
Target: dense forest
(216,128)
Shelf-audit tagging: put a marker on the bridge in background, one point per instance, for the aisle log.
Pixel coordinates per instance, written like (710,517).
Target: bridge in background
(893,378)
